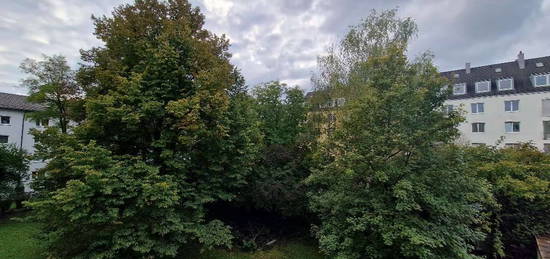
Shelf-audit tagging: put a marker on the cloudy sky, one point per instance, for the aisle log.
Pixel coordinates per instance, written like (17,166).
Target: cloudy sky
(280,39)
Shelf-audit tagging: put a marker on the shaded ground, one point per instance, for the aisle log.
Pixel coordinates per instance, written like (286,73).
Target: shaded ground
(16,242)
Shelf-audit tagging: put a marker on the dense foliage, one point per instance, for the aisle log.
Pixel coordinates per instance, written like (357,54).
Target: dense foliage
(277,182)
(169,151)
(162,137)
(390,187)
(520,182)
(13,171)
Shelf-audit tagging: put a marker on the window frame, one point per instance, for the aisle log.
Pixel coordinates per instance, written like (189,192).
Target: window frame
(477,105)
(506,129)
(461,93)
(488,87)
(2,119)
(476,128)
(511,106)
(534,78)
(499,81)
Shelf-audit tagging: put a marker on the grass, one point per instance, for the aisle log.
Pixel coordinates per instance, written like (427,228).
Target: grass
(17,242)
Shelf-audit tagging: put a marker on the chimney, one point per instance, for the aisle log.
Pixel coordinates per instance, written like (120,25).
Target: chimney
(468,68)
(521,60)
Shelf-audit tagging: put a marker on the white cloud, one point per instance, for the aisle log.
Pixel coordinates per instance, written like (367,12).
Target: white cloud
(281,39)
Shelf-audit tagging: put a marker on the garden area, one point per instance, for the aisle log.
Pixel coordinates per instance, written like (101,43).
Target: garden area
(161,150)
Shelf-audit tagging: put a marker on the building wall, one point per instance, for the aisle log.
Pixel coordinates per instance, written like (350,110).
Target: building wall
(14,130)
(529,115)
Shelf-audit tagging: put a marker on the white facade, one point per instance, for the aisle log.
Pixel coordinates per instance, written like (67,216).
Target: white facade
(17,133)
(530,115)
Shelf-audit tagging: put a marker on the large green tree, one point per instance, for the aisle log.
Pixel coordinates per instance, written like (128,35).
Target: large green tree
(162,102)
(388,185)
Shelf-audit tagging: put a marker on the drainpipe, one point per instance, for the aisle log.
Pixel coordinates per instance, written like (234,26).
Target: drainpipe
(22,131)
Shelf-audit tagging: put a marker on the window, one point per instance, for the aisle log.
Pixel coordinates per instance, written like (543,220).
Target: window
(478,108)
(478,144)
(541,80)
(483,86)
(511,145)
(546,148)
(545,107)
(511,106)
(340,102)
(511,126)
(5,120)
(546,130)
(505,84)
(478,127)
(539,64)
(43,123)
(3,139)
(459,89)
(498,69)
(449,108)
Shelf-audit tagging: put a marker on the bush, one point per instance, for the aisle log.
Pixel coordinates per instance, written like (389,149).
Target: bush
(520,181)
(13,171)
(117,207)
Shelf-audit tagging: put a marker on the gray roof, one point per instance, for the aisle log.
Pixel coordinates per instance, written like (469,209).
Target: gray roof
(18,102)
(521,77)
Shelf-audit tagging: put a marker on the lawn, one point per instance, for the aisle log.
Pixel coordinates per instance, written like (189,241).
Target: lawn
(16,242)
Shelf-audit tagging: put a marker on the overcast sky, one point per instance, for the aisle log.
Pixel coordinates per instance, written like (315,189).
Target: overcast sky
(281,39)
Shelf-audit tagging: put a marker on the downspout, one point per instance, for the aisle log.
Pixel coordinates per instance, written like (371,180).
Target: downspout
(22,131)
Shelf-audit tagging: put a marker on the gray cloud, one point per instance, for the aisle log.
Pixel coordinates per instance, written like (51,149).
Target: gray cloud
(280,40)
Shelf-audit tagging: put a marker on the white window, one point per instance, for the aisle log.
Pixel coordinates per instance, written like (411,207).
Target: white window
(340,101)
(5,120)
(511,106)
(511,126)
(3,139)
(546,107)
(478,127)
(448,108)
(511,145)
(505,84)
(483,86)
(459,89)
(477,107)
(541,80)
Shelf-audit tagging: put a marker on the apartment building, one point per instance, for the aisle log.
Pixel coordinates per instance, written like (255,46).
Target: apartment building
(504,104)
(15,124)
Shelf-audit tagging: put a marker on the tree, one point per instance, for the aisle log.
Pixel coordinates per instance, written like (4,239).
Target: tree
(277,184)
(520,181)
(13,171)
(389,186)
(159,101)
(52,83)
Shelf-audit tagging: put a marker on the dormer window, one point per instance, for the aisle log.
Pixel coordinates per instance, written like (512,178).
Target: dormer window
(539,64)
(459,89)
(505,84)
(498,69)
(456,75)
(483,86)
(541,80)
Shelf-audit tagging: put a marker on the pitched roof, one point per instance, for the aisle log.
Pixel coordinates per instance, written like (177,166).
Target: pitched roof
(18,102)
(543,244)
(521,77)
